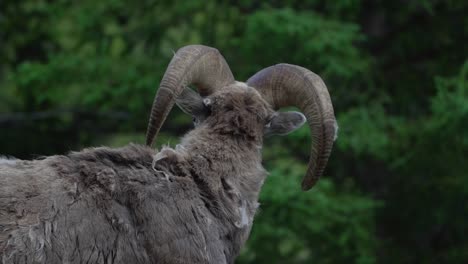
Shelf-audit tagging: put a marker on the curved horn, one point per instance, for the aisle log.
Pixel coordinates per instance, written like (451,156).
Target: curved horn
(200,65)
(289,85)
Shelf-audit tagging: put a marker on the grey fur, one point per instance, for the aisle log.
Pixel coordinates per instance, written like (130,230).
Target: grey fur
(7,160)
(191,204)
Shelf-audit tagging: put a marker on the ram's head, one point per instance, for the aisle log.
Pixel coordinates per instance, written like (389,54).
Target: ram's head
(221,97)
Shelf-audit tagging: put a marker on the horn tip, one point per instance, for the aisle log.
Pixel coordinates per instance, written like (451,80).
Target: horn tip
(308,183)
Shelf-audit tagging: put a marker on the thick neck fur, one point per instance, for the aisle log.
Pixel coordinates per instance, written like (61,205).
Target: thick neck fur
(234,159)
(228,173)
(227,168)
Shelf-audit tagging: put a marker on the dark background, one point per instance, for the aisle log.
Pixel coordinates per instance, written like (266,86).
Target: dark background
(76,74)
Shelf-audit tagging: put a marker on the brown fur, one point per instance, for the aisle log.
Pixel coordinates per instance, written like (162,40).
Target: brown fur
(191,204)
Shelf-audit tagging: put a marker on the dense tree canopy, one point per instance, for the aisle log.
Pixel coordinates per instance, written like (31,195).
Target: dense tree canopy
(83,73)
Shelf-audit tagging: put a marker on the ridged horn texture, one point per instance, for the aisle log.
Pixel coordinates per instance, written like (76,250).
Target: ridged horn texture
(200,65)
(289,85)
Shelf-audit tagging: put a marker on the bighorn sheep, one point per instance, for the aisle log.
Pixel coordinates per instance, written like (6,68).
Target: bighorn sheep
(191,204)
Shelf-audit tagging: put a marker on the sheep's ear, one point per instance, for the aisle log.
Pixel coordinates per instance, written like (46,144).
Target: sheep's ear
(192,103)
(283,123)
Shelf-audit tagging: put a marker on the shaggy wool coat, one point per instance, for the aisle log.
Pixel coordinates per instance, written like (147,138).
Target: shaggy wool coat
(191,204)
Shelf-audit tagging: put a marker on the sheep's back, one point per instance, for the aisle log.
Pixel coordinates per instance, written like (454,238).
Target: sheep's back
(107,206)
(26,191)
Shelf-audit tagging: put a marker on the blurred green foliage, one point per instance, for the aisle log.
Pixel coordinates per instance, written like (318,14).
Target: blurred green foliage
(295,227)
(81,73)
